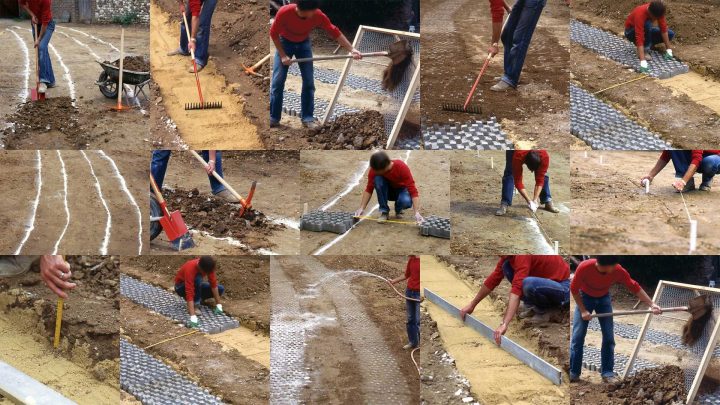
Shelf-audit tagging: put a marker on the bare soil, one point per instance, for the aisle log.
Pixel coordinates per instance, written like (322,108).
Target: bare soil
(327,177)
(654,223)
(666,384)
(92,125)
(365,130)
(476,185)
(536,114)
(134,63)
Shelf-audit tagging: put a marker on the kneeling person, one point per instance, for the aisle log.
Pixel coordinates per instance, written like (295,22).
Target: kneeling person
(189,284)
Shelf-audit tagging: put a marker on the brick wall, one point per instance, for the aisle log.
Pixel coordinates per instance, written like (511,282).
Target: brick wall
(65,10)
(108,10)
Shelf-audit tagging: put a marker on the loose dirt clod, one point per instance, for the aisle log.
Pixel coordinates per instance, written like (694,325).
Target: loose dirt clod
(363,130)
(660,385)
(134,63)
(55,114)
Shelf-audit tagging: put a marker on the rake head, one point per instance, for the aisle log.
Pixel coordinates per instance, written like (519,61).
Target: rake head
(206,105)
(471,109)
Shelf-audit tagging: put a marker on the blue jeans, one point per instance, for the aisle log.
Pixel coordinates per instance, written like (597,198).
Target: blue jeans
(709,166)
(203,291)
(653,36)
(600,305)
(159,163)
(46,70)
(541,293)
(386,193)
(277,86)
(413,317)
(202,37)
(516,37)
(508,183)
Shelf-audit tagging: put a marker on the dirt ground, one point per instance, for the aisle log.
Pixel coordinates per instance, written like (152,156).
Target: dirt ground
(651,224)
(216,230)
(235,126)
(455,38)
(484,369)
(339,368)
(90,124)
(335,181)
(100,217)
(233,364)
(476,183)
(684,109)
(85,368)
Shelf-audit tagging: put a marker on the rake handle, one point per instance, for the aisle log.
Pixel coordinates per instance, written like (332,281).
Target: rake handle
(192,55)
(220,179)
(333,57)
(638,311)
(477,81)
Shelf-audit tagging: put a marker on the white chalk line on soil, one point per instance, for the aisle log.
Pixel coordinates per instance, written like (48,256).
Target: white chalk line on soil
(288,222)
(123,186)
(234,242)
(94,38)
(354,181)
(65,202)
(337,239)
(25,93)
(108,223)
(82,44)
(36,202)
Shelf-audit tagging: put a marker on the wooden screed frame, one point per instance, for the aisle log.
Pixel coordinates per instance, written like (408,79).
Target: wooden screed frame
(407,99)
(707,355)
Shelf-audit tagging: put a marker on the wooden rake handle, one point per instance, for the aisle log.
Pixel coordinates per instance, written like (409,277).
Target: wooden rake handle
(638,311)
(192,55)
(220,179)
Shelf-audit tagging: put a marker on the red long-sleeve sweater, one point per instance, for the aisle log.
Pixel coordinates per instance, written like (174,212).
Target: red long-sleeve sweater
(187,274)
(497,10)
(41,8)
(595,284)
(195,7)
(696,156)
(290,26)
(412,272)
(637,19)
(517,167)
(399,176)
(552,267)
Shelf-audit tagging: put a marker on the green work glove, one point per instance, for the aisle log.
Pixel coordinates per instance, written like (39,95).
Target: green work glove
(193,322)
(644,67)
(668,55)
(218,309)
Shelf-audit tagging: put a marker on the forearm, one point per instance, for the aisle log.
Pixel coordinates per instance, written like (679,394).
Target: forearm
(484,291)
(579,302)
(496,32)
(641,52)
(191,307)
(364,200)
(642,296)
(513,305)
(398,279)
(658,167)
(524,194)
(536,192)
(194,26)
(690,173)
(343,41)
(666,40)
(216,295)
(416,204)
(211,155)
(279,47)
(43,30)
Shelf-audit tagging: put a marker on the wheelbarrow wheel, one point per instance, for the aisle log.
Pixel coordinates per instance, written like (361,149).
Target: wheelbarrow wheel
(108,87)
(155,212)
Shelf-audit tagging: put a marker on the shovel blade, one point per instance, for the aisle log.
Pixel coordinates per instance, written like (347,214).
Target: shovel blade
(173,225)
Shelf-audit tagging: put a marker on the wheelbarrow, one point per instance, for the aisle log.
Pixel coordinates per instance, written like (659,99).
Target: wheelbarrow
(108,80)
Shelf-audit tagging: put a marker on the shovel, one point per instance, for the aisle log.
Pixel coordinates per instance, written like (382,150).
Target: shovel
(202,105)
(172,223)
(245,203)
(35,94)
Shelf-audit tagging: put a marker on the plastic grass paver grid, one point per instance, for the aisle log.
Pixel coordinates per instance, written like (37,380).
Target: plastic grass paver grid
(603,127)
(291,106)
(327,221)
(436,226)
(153,382)
(474,135)
(623,51)
(172,306)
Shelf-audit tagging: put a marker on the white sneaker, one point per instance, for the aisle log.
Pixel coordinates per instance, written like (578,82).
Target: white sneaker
(42,87)
(408,346)
(525,311)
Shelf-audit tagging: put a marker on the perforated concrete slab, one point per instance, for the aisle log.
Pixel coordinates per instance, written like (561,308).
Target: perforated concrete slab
(172,306)
(473,135)
(153,382)
(623,51)
(327,221)
(603,127)
(436,226)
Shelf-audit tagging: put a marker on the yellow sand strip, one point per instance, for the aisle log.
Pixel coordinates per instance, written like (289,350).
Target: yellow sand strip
(253,345)
(703,91)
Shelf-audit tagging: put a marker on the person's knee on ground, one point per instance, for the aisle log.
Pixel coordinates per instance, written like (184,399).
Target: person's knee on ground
(403,202)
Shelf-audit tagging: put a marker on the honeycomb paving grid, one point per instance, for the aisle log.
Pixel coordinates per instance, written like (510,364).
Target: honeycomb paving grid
(591,361)
(327,221)
(603,127)
(623,51)
(172,306)
(473,135)
(153,382)
(436,226)
(291,106)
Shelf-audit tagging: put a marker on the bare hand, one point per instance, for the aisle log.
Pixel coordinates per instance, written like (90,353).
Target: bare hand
(586,316)
(55,272)
(358,212)
(37,43)
(419,218)
(356,54)
(210,167)
(192,45)
(34,20)
(499,332)
(679,184)
(493,50)
(467,309)
(286,60)
(656,309)
(648,178)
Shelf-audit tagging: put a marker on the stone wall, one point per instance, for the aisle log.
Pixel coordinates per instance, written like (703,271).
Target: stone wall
(101,11)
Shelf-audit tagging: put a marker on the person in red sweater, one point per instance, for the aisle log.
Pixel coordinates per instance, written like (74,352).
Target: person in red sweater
(590,289)
(540,286)
(199,13)
(290,32)
(393,181)
(640,29)
(43,26)
(538,162)
(412,275)
(189,284)
(687,163)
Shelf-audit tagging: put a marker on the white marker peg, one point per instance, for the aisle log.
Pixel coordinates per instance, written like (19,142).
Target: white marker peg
(492,162)
(305,208)
(646,183)
(693,235)
(557,247)
(601,160)
(585,154)
(478,153)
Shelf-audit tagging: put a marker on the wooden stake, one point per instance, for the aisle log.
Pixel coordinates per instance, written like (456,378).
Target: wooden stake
(120,77)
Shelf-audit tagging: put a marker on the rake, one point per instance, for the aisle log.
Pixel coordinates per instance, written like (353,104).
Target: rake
(251,70)
(202,105)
